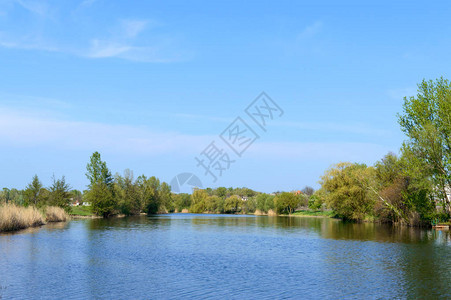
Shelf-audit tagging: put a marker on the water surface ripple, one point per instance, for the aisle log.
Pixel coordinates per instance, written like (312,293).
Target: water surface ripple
(224,256)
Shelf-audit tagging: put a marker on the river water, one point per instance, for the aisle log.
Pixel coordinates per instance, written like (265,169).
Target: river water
(224,256)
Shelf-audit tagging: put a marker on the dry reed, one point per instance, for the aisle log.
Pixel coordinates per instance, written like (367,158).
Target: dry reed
(55,214)
(272,213)
(258,212)
(14,217)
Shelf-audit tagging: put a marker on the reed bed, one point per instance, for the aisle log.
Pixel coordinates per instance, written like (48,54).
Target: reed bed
(55,214)
(258,212)
(272,213)
(13,217)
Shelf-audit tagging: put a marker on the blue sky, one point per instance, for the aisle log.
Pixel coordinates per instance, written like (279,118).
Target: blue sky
(150,84)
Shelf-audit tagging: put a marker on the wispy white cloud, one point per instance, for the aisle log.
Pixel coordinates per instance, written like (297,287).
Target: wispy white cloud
(121,44)
(36,7)
(115,49)
(25,129)
(101,48)
(129,39)
(27,44)
(29,128)
(132,28)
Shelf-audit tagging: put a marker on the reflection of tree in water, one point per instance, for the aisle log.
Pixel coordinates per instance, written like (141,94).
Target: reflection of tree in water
(130,222)
(376,232)
(408,262)
(427,267)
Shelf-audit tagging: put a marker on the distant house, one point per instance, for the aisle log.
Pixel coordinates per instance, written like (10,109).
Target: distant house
(86,203)
(74,202)
(244,198)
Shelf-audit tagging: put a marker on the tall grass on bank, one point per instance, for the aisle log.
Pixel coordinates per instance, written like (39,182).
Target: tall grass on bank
(55,214)
(14,217)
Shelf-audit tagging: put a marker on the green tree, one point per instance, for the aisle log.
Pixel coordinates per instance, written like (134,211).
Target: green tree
(261,201)
(166,198)
(199,201)
(346,192)
(316,200)
(390,186)
(182,201)
(426,120)
(156,197)
(214,204)
(152,192)
(286,202)
(103,203)
(32,191)
(101,187)
(233,204)
(250,205)
(16,197)
(221,192)
(127,193)
(59,193)
(269,203)
(44,196)
(6,195)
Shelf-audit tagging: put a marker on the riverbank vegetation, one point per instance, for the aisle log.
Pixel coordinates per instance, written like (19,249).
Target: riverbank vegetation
(35,205)
(55,214)
(83,211)
(13,217)
(413,187)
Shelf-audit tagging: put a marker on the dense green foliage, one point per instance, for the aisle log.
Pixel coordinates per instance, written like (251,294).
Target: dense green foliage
(426,120)
(287,202)
(101,193)
(347,195)
(33,193)
(413,188)
(124,195)
(59,194)
(407,189)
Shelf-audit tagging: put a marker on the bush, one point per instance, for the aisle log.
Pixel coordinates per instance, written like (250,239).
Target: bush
(315,202)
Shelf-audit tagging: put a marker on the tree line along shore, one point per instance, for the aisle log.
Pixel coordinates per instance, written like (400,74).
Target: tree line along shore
(411,188)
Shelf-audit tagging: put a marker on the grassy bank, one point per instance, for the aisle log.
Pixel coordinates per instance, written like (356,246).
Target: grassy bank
(13,217)
(314,213)
(82,211)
